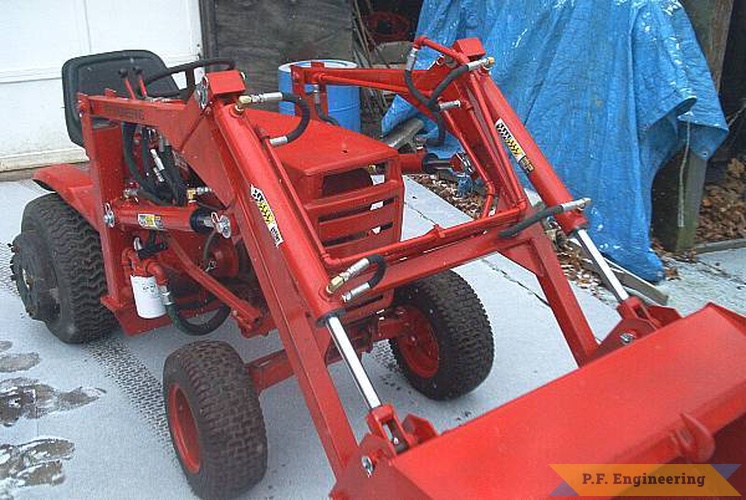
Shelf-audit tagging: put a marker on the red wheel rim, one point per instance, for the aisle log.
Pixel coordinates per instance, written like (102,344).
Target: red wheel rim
(418,345)
(184,428)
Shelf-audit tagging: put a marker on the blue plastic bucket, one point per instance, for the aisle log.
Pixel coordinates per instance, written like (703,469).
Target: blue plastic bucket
(343,102)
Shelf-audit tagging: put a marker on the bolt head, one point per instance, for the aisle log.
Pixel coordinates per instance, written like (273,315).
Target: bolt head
(367,464)
(627,338)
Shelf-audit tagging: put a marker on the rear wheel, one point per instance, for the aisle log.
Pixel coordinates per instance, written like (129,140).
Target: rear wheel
(215,419)
(59,271)
(446,348)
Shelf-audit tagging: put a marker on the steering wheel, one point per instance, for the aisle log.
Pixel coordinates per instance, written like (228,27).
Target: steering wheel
(188,70)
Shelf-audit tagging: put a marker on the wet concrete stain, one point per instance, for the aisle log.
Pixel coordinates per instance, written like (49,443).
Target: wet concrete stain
(16,362)
(28,398)
(36,463)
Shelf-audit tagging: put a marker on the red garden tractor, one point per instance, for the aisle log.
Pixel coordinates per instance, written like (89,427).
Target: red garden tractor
(196,206)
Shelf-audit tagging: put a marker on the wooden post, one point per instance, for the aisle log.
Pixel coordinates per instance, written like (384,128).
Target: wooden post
(711,19)
(209,34)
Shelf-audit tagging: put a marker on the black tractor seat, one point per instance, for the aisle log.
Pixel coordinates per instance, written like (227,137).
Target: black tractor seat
(93,74)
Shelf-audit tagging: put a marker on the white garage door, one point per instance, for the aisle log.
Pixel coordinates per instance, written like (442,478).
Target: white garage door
(38,36)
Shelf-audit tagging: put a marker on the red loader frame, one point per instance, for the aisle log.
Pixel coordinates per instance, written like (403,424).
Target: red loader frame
(272,199)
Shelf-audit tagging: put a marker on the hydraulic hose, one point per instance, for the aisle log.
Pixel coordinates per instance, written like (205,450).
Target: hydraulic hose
(197,329)
(245,101)
(378,261)
(424,101)
(355,269)
(432,103)
(147,190)
(450,77)
(305,116)
(324,117)
(532,219)
(172,175)
(412,89)
(210,298)
(173,310)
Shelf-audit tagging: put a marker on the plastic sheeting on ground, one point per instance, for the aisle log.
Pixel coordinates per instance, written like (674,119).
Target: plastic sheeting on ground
(609,89)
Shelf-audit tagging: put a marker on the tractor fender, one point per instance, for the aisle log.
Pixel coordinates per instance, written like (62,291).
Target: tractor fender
(74,185)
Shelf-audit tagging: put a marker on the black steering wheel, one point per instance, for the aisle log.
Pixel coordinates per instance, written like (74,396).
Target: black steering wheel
(188,70)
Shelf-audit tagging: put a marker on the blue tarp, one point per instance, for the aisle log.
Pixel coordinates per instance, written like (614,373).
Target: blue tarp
(609,89)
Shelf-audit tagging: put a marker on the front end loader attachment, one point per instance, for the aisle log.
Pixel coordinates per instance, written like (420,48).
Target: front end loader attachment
(664,398)
(203,204)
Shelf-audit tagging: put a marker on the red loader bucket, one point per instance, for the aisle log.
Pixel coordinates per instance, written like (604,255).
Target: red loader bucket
(657,400)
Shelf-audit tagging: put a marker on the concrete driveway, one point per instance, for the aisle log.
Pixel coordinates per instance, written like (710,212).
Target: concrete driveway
(88,421)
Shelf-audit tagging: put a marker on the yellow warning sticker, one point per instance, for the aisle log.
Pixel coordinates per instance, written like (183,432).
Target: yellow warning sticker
(150,221)
(514,146)
(267,214)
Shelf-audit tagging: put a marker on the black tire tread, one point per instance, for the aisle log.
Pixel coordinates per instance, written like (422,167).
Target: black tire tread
(226,408)
(462,330)
(75,249)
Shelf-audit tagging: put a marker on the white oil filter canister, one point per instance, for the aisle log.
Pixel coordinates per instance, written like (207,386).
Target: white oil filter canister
(147,297)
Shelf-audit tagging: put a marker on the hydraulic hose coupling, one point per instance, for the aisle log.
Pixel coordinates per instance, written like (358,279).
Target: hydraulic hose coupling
(354,270)
(411,58)
(346,275)
(244,101)
(316,91)
(279,141)
(578,204)
(445,106)
(485,62)
(532,219)
(166,297)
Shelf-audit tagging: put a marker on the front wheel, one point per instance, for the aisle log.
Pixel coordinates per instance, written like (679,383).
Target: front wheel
(215,419)
(446,348)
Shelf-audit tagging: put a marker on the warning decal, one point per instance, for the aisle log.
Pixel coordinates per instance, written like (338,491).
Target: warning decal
(150,221)
(267,214)
(514,147)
